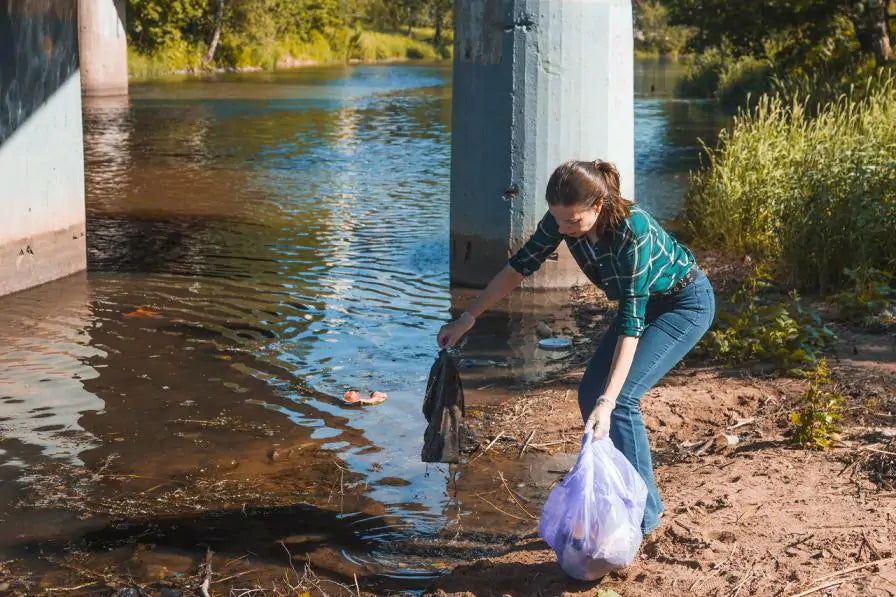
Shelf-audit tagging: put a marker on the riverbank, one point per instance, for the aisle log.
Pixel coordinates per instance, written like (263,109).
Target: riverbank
(338,47)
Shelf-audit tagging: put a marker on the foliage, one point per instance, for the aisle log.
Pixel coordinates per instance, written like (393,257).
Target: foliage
(172,58)
(815,424)
(720,75)
(868,298)
(785,333)
(805,48)
(654,34)
(815,195)
(172,35)
(154,24)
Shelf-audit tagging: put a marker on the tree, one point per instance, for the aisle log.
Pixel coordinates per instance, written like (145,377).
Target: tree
(746,27)
(216,36)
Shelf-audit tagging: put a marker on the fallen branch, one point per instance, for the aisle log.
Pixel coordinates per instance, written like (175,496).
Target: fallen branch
(492,443)
(479,495)
(743,581)
(513,497)
(87,584)
(232,576)
(526,445)
(854,568)
(876,451)
(826,585)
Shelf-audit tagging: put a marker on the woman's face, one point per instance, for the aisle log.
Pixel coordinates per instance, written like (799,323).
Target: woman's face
(575,220)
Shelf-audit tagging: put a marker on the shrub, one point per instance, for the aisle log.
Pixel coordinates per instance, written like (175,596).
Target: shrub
(868,298)
(815,424)
(784,333)
(815,195)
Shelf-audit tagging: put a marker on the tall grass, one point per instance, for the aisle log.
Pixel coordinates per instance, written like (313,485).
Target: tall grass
(815,194)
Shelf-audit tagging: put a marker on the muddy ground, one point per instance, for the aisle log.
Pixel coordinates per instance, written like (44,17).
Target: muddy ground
(758,517)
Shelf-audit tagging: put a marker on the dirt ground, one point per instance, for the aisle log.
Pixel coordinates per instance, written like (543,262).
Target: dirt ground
(757,517)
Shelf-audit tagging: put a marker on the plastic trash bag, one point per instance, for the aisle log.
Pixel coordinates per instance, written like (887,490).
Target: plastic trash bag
(592,519)
(443,408)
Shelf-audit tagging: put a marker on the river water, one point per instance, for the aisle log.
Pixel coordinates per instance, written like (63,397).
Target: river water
(257,245)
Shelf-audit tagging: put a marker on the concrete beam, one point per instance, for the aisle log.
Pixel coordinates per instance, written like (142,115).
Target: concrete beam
(41,153)
(536,83)
(103,47)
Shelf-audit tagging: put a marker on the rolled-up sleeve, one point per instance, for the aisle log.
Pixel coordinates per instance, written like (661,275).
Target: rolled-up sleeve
(633,261)
(538,248)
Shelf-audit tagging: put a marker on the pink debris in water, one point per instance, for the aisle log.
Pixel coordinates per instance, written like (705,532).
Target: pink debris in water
(352,396)
(375,398)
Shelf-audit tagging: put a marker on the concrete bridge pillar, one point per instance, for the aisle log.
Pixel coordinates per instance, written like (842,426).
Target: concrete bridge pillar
(41,150)
(103,47)
(536,83)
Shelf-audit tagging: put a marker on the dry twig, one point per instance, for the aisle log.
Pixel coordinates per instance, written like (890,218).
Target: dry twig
(203,588)
(526,445)
(514,498)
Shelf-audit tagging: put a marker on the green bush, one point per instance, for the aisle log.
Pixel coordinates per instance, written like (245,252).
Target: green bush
(719,74)
(389,46)
(869,297)
(815,195)
(784,333)
(701,80)
(655,36)
(815,424)
(176,56)
(742,81)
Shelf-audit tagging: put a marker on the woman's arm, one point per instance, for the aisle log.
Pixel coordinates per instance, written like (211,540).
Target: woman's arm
(599,420)
(499,287)
(622,363)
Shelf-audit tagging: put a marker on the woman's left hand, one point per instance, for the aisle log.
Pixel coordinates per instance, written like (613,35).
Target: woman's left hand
(599,420)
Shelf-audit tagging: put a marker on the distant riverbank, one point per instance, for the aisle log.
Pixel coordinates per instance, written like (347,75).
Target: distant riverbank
(337,47)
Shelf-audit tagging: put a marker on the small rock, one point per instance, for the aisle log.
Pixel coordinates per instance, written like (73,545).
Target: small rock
(543,330)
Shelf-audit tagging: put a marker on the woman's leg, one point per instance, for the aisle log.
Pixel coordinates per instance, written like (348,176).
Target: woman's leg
(678,324)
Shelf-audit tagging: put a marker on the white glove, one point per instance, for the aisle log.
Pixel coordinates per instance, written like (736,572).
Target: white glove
(598,422)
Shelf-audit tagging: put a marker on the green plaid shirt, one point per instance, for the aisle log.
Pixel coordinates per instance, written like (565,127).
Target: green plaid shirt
(630,263)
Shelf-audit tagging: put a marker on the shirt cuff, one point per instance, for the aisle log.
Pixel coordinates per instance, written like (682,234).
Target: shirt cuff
(629,326)
(523,268)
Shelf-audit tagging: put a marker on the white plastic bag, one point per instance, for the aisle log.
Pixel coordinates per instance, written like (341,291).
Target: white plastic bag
(592,519)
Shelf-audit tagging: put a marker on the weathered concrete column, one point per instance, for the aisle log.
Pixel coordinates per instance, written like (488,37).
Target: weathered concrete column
(103,47)
(41,151)
(536,83)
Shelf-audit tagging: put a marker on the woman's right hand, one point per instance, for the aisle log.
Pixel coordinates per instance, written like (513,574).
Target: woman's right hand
(450,333)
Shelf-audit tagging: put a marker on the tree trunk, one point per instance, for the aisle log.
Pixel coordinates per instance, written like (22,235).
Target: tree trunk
(219,20)
(437,17)
(878,30)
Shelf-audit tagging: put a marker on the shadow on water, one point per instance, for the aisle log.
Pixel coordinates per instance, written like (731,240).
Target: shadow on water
(257,245)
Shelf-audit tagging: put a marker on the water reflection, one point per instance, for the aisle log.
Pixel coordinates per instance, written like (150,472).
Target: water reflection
(43,371)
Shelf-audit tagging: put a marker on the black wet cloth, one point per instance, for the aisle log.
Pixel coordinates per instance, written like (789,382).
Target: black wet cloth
(443,407)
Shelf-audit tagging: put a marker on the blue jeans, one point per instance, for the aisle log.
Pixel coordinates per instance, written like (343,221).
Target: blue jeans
(675,323)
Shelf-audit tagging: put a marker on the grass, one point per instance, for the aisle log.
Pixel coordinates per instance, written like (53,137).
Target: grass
(813,194)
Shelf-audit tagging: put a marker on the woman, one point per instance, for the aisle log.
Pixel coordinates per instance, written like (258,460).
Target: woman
(666,303)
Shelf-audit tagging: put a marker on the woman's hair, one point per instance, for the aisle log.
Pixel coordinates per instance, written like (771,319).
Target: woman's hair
(578,183)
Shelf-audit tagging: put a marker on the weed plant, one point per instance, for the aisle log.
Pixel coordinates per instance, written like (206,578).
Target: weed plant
(759,327)
(815,424)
